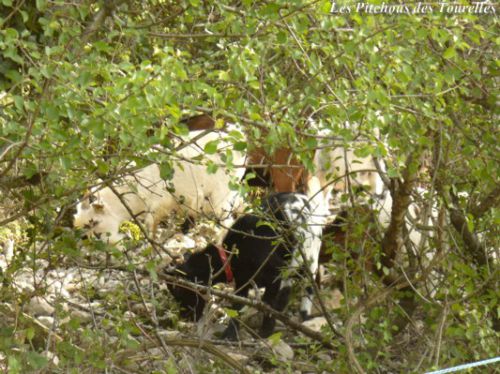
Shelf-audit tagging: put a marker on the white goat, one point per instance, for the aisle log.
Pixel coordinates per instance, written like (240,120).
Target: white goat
(338,167)
(192,190)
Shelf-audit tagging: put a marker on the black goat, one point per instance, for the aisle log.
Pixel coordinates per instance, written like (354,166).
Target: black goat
(259,251)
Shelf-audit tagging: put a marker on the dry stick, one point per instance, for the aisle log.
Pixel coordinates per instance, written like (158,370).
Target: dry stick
(491,200)
(253,303)
(193,343)
(439,337)
(237,299)
(156,332)
(14,11)
(99,18)
(7,149)
(475,247)
(197,35)
(393,237)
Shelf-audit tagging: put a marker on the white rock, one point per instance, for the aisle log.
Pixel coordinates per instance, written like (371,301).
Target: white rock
(24,286)
(94,305)
(58,288)
(40,263)
(39,306)
(9,249)
(142,309)
(81,315)
(51,357)
(109,284)
(47,321)
(169,334)
(159,352)
(128,315)
(174,244)
(283,351)
(315,323)
(72,286)
(242,359)
(3,264)
(23,281)
(64,274)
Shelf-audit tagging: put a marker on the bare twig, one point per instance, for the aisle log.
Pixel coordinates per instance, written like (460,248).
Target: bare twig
(191,343)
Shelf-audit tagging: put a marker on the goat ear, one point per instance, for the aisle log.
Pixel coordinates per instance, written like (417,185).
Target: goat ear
(87,199)
(85,203)
(99,208)
(86,194)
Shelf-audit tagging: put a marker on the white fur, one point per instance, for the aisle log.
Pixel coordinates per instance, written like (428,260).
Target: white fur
(308,215)
(195,192)
(416,216)
(335,166)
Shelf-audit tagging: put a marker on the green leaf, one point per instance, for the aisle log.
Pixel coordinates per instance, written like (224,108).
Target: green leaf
(392,173)
(84,78)
(450,53)
(231,312)
(211,147)
(223,75)
(151,267)
(171,366)
(275,338)
(14,365)
(52,113)
(281,37)
(212,167)
(12,54)
(18,102)
(102,167)
(65,162)
(166,171)
(254,84)
(36,360)
(30,333)
(249,176)
(470,222)
(240,146)
(41,5)
(11,34)
(271,9)
(25,15)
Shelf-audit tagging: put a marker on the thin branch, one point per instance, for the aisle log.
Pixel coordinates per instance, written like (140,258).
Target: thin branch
(191,343)
(492,200)
(99,18)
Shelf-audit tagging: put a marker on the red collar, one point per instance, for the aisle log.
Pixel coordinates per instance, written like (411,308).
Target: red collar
(225,263)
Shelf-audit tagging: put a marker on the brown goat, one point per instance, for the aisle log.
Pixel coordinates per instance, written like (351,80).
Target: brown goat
(281,170)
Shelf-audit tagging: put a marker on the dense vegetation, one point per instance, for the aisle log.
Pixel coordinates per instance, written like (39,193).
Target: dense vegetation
(88,86)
